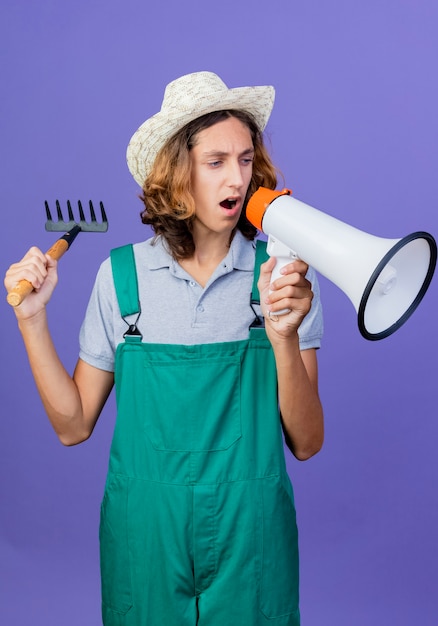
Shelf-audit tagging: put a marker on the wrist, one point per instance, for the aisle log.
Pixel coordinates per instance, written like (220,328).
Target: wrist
(287,343)
(31,323)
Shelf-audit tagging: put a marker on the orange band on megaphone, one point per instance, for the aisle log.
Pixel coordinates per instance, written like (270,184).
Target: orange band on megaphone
(259,202)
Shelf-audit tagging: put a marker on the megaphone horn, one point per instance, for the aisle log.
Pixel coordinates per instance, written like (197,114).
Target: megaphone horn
(385,279)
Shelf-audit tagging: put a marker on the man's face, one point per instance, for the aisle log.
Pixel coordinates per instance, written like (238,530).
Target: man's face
(222,160)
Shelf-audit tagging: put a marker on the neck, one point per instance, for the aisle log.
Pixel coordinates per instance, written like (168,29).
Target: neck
(208,254)
(210,246)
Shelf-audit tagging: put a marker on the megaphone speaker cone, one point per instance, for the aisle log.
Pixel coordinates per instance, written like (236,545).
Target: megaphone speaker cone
(397,285)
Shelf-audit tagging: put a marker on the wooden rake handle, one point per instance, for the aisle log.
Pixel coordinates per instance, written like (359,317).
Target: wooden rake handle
(23,288)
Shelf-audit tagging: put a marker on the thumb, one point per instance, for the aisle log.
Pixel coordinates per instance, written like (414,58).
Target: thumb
(51,279)
(265,274)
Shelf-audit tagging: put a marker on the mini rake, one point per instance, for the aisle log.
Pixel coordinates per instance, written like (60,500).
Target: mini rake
(71,228)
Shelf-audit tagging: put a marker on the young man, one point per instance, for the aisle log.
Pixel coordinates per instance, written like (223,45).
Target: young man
(198,520)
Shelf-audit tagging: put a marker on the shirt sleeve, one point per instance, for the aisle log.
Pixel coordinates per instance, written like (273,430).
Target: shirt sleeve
(96,338)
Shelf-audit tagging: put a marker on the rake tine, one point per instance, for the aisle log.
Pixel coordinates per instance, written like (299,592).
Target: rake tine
(102,211)
(71,217)
(59,212)
(92,213)
(49,215)
(81,212)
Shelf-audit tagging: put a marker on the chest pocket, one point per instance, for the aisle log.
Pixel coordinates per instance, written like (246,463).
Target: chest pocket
(193,404)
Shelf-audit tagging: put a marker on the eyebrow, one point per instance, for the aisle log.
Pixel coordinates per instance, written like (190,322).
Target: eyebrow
(221,153)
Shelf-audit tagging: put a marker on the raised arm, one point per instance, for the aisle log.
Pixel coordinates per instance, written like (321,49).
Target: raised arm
(297,370)
(72,403)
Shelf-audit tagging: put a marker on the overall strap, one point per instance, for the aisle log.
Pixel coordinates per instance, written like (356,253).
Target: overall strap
(261,257)
(126,284)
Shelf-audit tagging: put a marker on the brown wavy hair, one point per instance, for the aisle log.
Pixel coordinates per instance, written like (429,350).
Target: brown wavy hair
(169,207)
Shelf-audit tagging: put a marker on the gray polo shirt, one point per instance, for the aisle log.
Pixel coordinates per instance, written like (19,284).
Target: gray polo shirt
(175,309)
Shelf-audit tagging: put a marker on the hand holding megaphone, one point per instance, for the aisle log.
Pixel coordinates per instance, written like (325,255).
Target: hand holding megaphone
(283,255)
(385,279)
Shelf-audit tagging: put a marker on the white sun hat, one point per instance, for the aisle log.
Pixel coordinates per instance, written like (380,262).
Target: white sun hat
(186,99)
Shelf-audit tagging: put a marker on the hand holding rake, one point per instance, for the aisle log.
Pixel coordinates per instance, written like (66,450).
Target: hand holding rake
(18,293)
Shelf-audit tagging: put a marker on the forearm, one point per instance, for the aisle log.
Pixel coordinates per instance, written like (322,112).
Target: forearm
(300,406)
(57,389)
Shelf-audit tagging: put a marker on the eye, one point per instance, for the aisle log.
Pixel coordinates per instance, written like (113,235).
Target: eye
(214,164)
(247,158)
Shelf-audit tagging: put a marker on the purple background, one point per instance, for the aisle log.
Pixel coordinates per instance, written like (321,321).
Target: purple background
(355,132)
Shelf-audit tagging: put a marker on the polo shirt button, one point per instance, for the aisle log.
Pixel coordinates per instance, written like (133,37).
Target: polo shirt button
(192,283)
(200,309)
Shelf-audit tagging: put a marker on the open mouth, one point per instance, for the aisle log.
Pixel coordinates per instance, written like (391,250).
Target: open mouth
(229,203)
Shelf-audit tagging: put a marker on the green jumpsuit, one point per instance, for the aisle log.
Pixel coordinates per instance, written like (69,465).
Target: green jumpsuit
(197,519)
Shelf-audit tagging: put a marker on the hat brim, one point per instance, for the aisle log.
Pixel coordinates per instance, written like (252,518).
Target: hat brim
(157,130)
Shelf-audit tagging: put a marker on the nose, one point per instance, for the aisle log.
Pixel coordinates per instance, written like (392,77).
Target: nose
(235,175)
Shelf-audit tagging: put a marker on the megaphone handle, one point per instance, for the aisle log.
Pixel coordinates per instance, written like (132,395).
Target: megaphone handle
(283,255)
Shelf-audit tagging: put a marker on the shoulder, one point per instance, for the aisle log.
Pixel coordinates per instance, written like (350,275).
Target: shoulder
(152,254)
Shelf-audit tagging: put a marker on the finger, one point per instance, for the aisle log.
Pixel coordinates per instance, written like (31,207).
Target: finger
(294,280)
(51,262)
(265,273)
(33,268)
(34,258)
(291,297)
(298,266)
(267,267)
(300,302)
(34,253)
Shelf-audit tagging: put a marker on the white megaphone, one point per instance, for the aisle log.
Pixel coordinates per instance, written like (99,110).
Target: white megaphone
(385,279)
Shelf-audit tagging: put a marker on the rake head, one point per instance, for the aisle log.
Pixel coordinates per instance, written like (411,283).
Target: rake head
(91,226)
